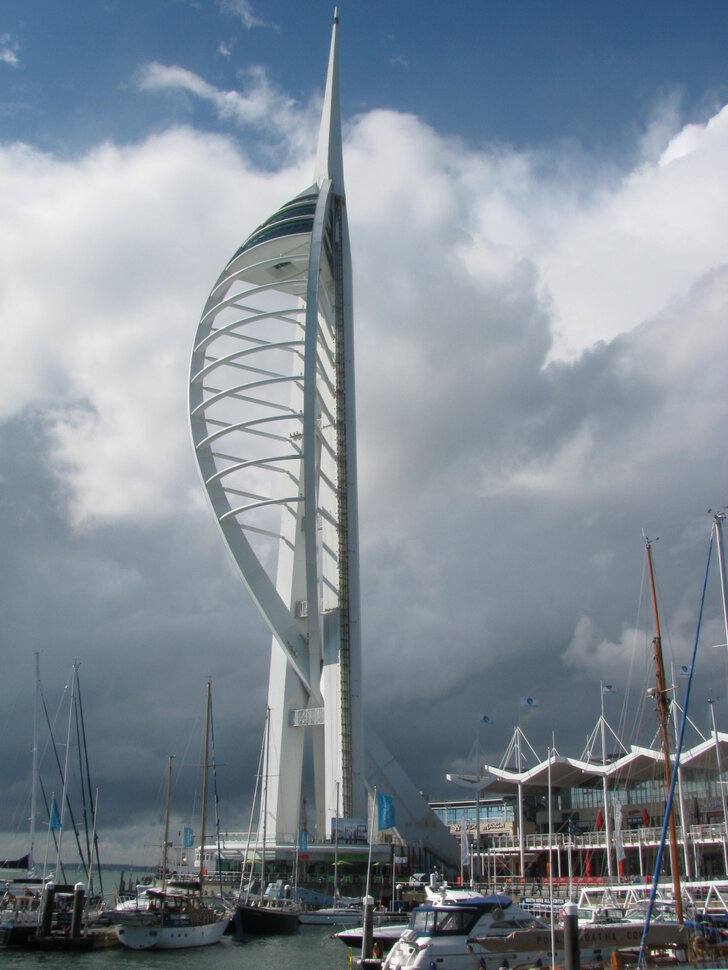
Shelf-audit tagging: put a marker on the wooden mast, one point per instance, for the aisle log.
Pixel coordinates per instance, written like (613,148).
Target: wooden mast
(663,709)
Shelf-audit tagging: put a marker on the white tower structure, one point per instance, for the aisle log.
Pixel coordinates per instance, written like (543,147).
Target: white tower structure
(271,405)
(271,400)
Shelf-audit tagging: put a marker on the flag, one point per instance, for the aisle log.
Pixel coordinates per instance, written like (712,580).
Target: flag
(464,846)
(55,817)
(303,840)
(683,670)
(484,719)
(645,818)
(608,689)
(600,821)
(188,839)
(385,806)
(529,702)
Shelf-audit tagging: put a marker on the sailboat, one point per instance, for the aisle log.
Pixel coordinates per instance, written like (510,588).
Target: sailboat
(343,912)
(46,913)
(260,915)
(176,917)
(21,899)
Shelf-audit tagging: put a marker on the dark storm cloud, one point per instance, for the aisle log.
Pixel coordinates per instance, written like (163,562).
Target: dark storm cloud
(536,382)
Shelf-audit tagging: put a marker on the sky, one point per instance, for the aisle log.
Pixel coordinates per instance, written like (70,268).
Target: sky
(538,210)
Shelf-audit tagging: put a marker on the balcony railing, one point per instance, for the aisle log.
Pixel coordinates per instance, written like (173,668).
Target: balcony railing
(711,834)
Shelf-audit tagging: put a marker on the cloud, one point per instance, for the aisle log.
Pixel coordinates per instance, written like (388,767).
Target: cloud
(540,374)
(243,10)
(102,346)
(9,48)
(620,259)
(262,106)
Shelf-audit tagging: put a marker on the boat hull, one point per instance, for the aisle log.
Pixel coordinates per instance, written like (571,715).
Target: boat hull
(334,916)
(251,920)
(385,936)
(14,934)
(177,935)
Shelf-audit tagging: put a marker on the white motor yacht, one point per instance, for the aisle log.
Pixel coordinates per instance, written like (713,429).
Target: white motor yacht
(461,929)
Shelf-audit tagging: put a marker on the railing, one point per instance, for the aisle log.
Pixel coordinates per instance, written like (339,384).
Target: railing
(714,834)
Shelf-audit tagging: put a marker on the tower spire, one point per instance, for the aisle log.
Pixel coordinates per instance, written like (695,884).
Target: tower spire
(329,157)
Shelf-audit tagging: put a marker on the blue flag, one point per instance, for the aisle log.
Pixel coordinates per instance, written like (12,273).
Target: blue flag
(188,838)
(303,840)
(385,806)
(55,817)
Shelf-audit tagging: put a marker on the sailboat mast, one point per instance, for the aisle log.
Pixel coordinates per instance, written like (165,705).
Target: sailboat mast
(204,786)
(34,780)
(65,770)
(166,825)
(265,802)
(605,790)
(663,708)
(336,850)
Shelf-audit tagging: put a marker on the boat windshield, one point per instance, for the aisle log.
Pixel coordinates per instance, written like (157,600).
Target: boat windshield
(438,922)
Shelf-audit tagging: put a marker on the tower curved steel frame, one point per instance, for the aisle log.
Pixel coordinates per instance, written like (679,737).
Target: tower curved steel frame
(271,407)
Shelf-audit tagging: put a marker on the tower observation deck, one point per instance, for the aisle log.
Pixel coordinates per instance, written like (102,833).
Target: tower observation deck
(272,417)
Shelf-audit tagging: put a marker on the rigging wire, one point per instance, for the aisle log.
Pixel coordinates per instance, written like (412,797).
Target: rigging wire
(92,802)
(675,767)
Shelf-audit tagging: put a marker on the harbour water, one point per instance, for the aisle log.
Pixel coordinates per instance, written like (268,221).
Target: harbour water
(312,948)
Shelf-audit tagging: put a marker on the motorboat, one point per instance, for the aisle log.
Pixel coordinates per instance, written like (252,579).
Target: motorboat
(440,931)
(465,930)
(332,916)
(385,935)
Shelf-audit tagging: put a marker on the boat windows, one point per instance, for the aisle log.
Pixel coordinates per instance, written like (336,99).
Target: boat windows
(432,922)
(531,923)
(523,923)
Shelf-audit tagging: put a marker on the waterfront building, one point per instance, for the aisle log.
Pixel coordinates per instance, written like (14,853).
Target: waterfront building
(586,818)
